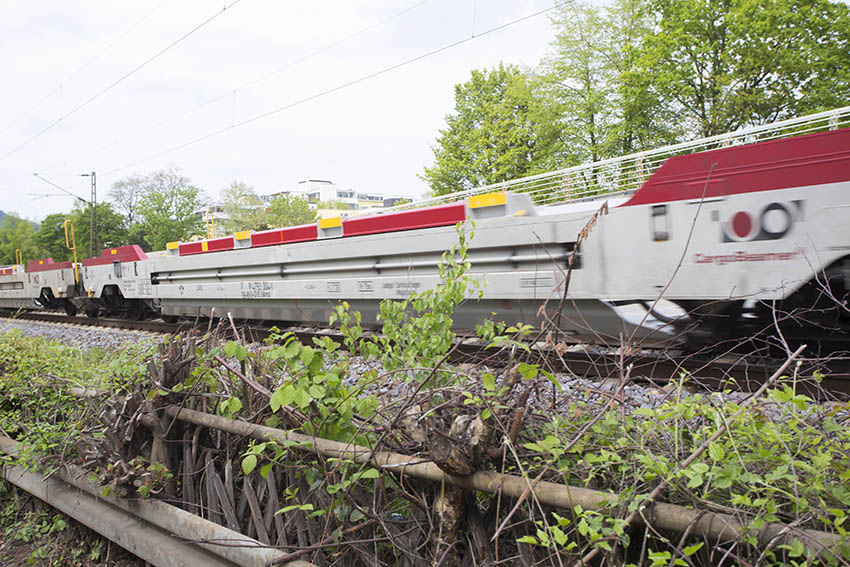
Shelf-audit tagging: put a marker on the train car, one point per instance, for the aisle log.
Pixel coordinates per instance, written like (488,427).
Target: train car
(116,284)
(302,273)
(42,284)
(51,284)
(13,291)
(711,243)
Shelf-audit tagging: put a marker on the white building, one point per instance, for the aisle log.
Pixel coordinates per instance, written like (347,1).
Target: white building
(327,195)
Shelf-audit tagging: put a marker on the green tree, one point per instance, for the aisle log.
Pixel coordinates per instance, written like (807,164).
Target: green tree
(50,237)
(17,234)
(724,64)
(126,195)
(601,106)
(496,133)
(288,210)
(169,211)
(243,208)
(111,228)
(334,204)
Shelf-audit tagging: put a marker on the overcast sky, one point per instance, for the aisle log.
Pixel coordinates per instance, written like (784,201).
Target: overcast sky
(375,135)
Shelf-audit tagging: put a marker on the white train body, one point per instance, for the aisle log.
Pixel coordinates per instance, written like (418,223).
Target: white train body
(711,232)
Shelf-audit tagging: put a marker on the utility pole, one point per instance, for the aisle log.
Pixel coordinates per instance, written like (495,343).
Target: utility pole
(93,245)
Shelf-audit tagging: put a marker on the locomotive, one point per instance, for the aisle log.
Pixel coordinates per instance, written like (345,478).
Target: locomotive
(710,243)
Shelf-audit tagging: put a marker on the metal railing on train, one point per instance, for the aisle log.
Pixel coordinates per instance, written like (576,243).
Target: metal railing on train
(625,174)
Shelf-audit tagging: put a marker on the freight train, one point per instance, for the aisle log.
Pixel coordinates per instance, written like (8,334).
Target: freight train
(710,243)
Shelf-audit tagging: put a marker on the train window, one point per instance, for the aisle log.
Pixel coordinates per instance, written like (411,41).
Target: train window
(116,268)
(659,223)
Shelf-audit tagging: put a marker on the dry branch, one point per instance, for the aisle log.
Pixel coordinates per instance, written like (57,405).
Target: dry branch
(713,525)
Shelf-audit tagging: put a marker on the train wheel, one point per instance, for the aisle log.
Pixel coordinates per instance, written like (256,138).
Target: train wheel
(138,312)
(70,310)
(170,319)
(92,313)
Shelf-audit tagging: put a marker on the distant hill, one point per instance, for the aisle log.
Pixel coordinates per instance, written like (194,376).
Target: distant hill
(2,214)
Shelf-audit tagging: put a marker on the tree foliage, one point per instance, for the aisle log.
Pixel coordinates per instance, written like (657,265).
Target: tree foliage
(637,74)
(50,238)
(288,210)
(170,214)
(17,234)
(494,134)
(111,229)
(725,64)
(243,208)
(127,193)
(600,102)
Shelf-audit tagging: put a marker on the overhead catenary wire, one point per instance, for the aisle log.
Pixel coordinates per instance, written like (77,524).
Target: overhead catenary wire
(339,87)
(71,77)
(243,86)
(118,81)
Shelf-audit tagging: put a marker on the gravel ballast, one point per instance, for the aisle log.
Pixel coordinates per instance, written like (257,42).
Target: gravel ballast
(77,336)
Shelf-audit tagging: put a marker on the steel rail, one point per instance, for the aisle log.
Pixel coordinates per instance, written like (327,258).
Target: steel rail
(655,368)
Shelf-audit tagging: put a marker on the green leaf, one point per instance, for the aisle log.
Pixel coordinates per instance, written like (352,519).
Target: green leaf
(249,463)
(265,469)
(370,473)
(301,398)
(796,549)
(528,371)
(307,354)
(234,405)
(551,377)
(558,535)
(291,350)
(716,451)
(691,549)
(281,397)
(230,348)
(489,381)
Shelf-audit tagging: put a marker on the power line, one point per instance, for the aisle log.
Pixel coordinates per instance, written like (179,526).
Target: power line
(121,79)
(340,87)
(85,66)
(61,188)
(244,85)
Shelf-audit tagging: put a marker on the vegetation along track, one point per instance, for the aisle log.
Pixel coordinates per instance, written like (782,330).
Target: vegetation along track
(734,368)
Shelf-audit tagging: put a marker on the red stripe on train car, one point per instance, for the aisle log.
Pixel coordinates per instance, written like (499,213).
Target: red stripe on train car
(288,235)
(188,248)
(132,253)
(811,159)
(202,246)
(6,271)
(442,215)
(219,244)
(47,264)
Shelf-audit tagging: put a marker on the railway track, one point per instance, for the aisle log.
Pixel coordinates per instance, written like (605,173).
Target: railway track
(745,372)
(147,528)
